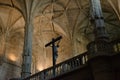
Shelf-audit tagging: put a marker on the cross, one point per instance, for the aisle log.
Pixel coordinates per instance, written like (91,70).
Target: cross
(54,51)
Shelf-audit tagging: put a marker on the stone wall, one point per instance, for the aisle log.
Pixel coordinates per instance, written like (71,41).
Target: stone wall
(9,70)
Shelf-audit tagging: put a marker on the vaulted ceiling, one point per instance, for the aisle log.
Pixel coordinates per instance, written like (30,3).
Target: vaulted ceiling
(52,18)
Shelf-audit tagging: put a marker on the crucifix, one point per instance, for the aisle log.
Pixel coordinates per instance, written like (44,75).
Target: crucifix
(54,51)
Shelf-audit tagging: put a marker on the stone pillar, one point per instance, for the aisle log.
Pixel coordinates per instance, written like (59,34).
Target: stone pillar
(98,20)
(27,52)
(99,50)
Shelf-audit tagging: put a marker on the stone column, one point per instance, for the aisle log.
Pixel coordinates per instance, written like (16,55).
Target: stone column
(98,20)
(99,50)
(27,52)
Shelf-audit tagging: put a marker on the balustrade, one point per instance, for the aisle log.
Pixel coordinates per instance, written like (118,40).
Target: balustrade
(60,68)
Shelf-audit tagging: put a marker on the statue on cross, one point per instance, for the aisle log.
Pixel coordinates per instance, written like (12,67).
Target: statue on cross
(54,51)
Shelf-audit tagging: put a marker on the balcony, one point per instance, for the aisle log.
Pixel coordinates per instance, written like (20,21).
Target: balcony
(83,67)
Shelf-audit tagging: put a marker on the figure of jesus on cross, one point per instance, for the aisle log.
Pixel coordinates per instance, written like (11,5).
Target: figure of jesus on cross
(54,51)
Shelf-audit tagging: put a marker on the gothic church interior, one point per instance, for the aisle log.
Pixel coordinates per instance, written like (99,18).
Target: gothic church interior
(31,24)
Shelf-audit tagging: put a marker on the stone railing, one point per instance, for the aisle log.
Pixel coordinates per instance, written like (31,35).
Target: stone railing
(103,46)
(61,68)
(116,45)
